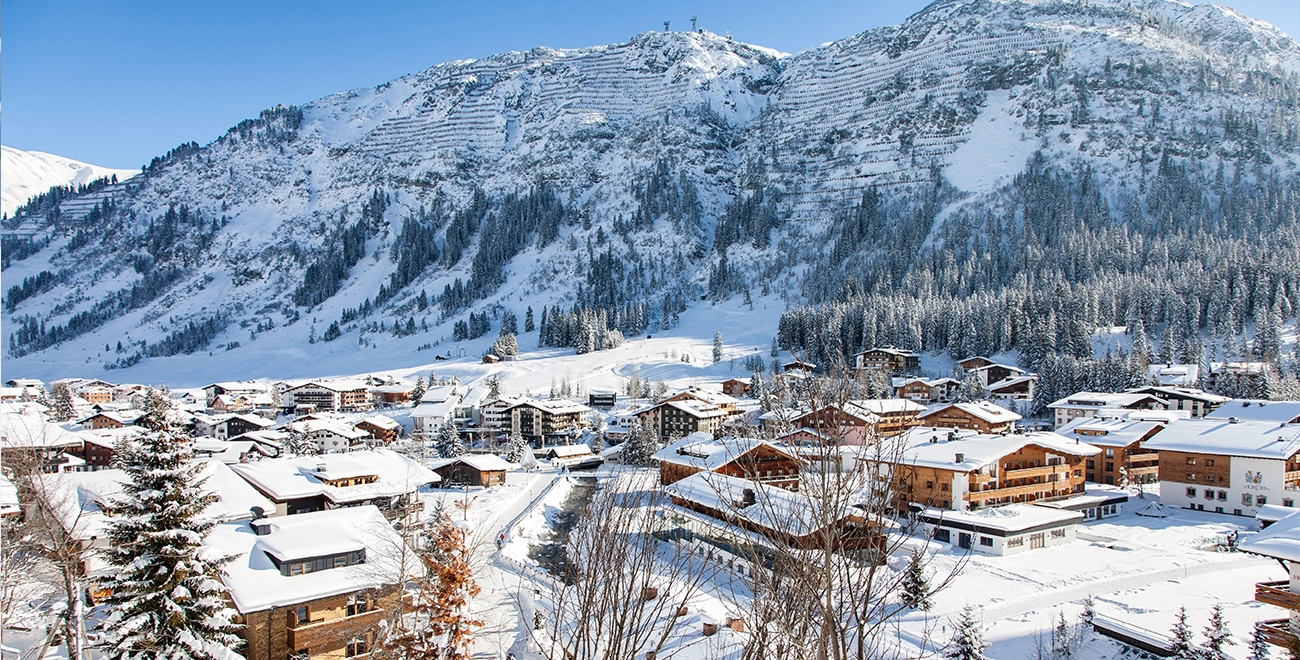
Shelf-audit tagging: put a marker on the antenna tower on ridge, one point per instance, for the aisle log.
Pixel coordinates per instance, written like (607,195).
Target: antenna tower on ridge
(666,25)
(693,19)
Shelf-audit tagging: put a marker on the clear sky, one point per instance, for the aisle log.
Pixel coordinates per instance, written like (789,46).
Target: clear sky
(115,84)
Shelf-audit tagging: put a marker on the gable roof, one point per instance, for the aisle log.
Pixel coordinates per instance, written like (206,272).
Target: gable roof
(302,476)
(1108,432)
(1099,400)
(886,406)
(985,410)
(480,462)
(701,451)
(939,448)
(1256,410)
(1245,438)
(1281,540)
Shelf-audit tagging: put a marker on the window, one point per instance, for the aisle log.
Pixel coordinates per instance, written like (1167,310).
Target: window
(942,535)
(1209,478)
(1191,460)
(1209,462)
(986,541)
(1058,533)
(1209,494)
(943,486)
(1288,502)
(357,604)
(1092,465)
(1223,496)
(930,485)
(357,646)
(1261,500)
(1015,542)
(302,615)
(1191,492)
(1110,466)
(1246,499)
(340,561)
(1191,477)
(1110,453)
(295,569)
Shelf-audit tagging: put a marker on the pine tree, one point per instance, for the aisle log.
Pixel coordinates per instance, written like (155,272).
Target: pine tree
(967,641)
(418,392)
(916,586)
(1217,636)
(1062,639)
(1259,649)
(449,442)
(167,600)
(639,446)
(528,320)
(298,444)
(494,387)
(64,410)
(505,345)
(717,347)
(1181,638)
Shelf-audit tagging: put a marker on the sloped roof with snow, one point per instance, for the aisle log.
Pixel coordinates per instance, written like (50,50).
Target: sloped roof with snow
(301,476)
(381,421)
(1281,540)
(933,447)
(985,410)
(554,406)
(480,462)
(1256,410)
(1099,400)
(30,429)
(1108,432)
(1247,439)
(774,508)
(256,584)
(886,406)
(1010,518)
(566,451)
(701,451)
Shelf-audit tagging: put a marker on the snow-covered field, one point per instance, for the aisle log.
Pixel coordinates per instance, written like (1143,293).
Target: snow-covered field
(29,173)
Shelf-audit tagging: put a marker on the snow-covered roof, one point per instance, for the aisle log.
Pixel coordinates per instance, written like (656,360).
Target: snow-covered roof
(381,421)
(774,508)
(985,410)
(1256,410)
(315,427)
(1008,519)
(886,349)
(932,447)
(566,451)
(715,398)
(123,417)
(77,497)
(1096,494)
(1108,432)
(439,410)
(298,477)
(257,584)
(1181,392)
(344,385)
(554,406)
(8,497)
(885,406)
(440,394)
(400,388)
(1281,540)
(480,462)
(1099,400)
(1248,439)
(1010,381)
(112,438)
(701,451)
(29,429)
(269,437)
(1174,374)
(783,414)
(694,408)
(1272,513)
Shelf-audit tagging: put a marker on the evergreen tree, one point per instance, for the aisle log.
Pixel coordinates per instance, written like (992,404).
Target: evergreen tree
(1180,638)
(1259,649)
(1062,639)
(449,442)
(516,447)
(967,641)
(528,320)
(756,386)
(418,392)
(1217,636)
(298,444)
(167,600)
(506,345)
(916,586)
(972,389)
(717,347)
(494,387)
(64,410)
(639,446)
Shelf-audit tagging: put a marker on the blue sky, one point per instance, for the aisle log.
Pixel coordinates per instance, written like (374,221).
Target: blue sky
(115,84)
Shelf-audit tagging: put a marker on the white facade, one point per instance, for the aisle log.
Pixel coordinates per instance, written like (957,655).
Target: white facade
(1015,528)
(1252,483)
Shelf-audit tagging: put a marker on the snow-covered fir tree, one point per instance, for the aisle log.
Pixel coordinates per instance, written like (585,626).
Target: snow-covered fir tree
(717,347)
(449,443)
(516,446)
(639,446)
(418,391)
(967,641)
(1259,648)
(64,410)
(166,598)
(916,586)
(1217,636)
(1181,646)
(506,345)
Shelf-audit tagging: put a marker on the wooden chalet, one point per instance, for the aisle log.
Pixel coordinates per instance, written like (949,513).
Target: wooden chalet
(1123,459)
(473,470)
(887,360)
(746,458)
(978,416)
(735,387)
(682,416)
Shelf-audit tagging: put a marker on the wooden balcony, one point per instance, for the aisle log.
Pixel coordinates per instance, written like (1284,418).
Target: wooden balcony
(1277,632)
(334,632)
(1031,472)
(1277,593)
(1046,489)
(1153,457)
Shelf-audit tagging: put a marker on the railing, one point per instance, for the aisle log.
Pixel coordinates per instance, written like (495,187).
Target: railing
(1047,489)
(1277,632)
(1144,458)
(1277,593)
(1031,472)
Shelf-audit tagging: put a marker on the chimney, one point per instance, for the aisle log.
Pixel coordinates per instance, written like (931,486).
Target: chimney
(261,527)
(747,497)
(258,512)
(320,467)
(961,458)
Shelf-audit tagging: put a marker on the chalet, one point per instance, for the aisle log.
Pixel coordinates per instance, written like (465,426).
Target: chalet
(1254,410)
(313,483)
(735,387)
(1236,375)
(496,413)
(993,372)
(755,460)
(330,436)
(1173,375)
(896,415)
(474,470)
(678,417)
(228,425)
(1280,541)
(848,424)
(243,403)
(436,409)
(574,456)
(974,362)
(960,470)
(540,421)
(94,391)
(602,399)
(737,512)
(798,366)
(232,389)
(1197,403)
(978,416)
(231,452)
(1123,460)
(727,403)
(1091,404)
(381,428)
(317,585)
(924,390)
(392,394)
(100,447)
(1013,388)
(27,438)
(1006,530)
(1228,466)
(887,360)
(341,395)
(112,419)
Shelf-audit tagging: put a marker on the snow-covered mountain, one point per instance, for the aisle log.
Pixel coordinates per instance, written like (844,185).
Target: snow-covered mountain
(631,179)
(24,174)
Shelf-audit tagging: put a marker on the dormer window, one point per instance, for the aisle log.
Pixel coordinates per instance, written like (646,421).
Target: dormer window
(294,567)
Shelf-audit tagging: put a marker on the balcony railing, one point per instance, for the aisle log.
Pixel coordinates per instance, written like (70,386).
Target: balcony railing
(1277,632)
(1152,457)
(1046,489)
(1031,472)
(334,630)
(1277,593)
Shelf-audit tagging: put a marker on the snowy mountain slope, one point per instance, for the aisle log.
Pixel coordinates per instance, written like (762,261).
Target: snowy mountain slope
(28,173)
(654,171)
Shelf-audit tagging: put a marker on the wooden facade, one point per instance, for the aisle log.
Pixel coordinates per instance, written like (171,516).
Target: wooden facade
(952,417)
(763,463)
(1028,475)
(849,533)
(1196,469)
(332,623)
(459,473)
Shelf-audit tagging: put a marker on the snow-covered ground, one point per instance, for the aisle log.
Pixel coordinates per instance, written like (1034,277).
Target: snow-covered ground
(29,173)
